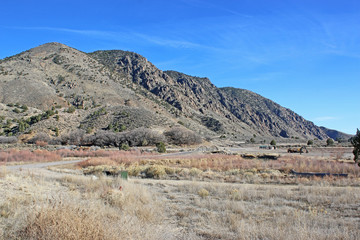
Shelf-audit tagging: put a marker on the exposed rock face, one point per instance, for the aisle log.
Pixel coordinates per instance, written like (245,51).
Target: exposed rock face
(55,74)
(194,95)
(262,113)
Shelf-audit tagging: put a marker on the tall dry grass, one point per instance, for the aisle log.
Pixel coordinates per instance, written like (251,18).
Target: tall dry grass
(236,211)
(63,221)
(38,206)
(77,207)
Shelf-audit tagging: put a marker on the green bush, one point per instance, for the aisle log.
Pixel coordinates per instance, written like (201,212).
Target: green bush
(329,142)
(161,148)
(71,109)
(124,147)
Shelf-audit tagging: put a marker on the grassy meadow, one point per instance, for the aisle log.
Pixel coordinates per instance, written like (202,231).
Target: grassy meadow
(197,196)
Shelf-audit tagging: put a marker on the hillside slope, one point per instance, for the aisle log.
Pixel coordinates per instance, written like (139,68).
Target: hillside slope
(221,110)
(123,88)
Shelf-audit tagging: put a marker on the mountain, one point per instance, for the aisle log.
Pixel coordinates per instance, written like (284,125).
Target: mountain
(123,89)
(336,135)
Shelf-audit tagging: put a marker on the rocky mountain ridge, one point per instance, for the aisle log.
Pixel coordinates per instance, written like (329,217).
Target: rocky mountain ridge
(130,91)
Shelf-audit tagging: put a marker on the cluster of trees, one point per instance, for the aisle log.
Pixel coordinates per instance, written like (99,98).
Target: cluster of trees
(137,137)
(23,124)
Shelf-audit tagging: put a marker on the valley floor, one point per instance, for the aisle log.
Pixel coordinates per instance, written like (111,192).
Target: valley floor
(37,203)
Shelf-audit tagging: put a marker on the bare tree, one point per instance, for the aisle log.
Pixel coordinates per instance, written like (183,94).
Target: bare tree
(182,136)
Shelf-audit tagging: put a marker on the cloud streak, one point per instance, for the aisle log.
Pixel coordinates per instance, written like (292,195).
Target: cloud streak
(114,35)
(94,33)
(325,118)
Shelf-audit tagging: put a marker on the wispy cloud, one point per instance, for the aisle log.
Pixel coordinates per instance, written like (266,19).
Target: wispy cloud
(130,35)
(168,42)
(325,118)
(95,33)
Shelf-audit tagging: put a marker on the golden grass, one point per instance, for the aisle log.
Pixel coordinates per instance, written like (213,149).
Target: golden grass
(63,221)
(33,206)
(236,211)
(55,206)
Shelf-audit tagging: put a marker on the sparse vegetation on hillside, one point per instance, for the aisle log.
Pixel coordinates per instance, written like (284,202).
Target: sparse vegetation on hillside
(103,85)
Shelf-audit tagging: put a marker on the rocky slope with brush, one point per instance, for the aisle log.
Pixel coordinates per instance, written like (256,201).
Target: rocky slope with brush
(100,90)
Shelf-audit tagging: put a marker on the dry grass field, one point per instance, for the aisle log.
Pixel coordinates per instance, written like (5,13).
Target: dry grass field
(196,196)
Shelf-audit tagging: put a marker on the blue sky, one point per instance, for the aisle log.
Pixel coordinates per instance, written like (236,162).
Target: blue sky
(304,55)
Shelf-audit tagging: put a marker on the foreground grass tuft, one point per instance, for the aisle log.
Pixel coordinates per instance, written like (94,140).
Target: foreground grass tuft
(63,221)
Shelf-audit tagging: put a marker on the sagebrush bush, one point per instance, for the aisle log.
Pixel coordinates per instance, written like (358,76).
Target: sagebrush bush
(155,171)
(203,193)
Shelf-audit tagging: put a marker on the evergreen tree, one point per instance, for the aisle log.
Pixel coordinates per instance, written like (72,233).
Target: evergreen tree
(355,141)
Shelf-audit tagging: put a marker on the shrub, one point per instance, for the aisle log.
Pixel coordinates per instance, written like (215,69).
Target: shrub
(203,193)
(181,136)
(71,109)
(155,171)
(57,131)
(114,198)
(124,147)
(161,147)
(24,108)
(195,172)
(329,142)
(63,222)
(310,142)
(273,143)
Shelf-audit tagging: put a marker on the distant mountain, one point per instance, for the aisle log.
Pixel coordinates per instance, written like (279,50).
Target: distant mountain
(120,88)
(336,135)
